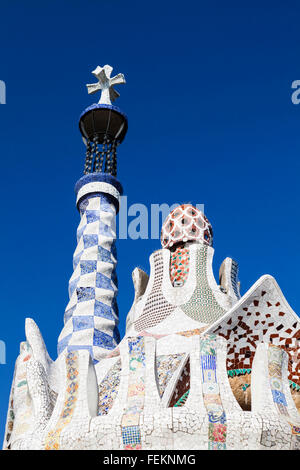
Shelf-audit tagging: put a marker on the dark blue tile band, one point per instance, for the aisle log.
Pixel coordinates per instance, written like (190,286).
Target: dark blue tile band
(102,177)
(107,106)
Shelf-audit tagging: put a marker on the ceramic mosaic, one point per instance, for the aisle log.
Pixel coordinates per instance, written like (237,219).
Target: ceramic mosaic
(108,389)
(186,223)
(237,372)
(182,399)
(264,316)
(156,308)
(234,278)
(179,266)
(275,365)
(275,355)
(182,386)
(165,368)
(11,417)
(244,384)
(228,278)
(20,414)
(53,437)
(217,428)
(91,316)
(131,435)
(189,333)
(202,305)
(20,384)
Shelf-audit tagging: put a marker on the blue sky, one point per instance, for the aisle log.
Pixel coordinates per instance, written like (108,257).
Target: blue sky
(211,121)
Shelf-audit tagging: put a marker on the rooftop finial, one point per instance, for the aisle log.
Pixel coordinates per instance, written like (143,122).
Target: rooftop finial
(103,126)
(105,84)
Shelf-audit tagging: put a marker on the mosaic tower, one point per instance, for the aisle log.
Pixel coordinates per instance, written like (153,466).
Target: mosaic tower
(91,316)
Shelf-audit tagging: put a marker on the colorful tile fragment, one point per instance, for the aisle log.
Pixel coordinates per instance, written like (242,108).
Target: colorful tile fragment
(131,435)
(182,399)
(165,368)
(189,333)
(182,386)
(179,266)
(275,358)
(108,389)
(217,428)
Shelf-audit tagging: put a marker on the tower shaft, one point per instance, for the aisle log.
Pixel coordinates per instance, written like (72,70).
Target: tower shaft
(91,316)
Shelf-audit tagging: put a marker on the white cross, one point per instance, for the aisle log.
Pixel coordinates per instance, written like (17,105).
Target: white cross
(105,84)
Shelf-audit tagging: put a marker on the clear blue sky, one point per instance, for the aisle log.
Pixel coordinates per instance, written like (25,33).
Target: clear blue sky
(211,121)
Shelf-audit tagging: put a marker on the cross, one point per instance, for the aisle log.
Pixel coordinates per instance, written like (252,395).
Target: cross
(105,84)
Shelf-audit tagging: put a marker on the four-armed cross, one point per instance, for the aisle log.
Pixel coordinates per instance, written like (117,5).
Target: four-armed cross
(105,84)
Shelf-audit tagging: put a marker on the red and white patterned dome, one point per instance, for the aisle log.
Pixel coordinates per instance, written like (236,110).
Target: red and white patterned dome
(186,223)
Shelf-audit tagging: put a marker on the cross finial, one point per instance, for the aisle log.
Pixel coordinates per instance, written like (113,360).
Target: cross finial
(105,84)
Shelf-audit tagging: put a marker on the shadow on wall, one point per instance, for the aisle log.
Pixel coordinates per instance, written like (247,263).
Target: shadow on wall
(241,387)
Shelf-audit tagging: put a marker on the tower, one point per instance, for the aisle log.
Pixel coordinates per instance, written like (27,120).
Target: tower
(91,316)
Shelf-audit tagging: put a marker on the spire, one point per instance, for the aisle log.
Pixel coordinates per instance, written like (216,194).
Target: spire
(103,126)
(91,316)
